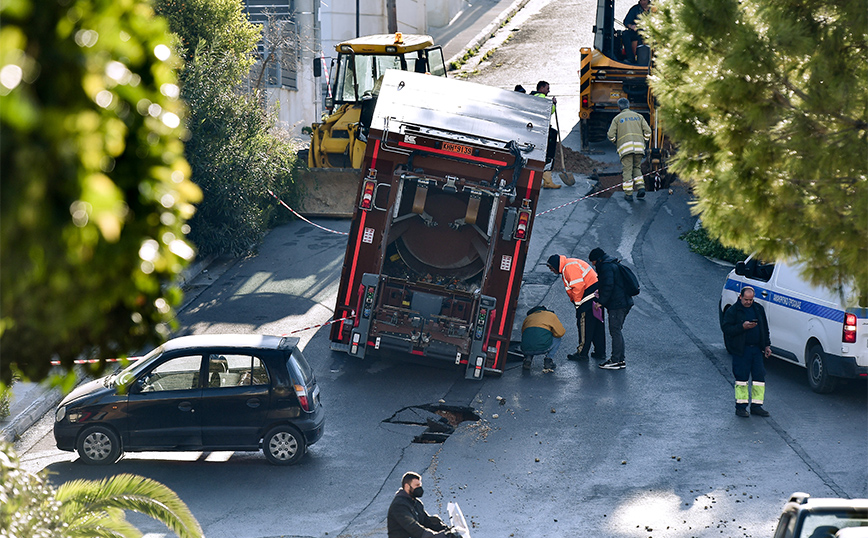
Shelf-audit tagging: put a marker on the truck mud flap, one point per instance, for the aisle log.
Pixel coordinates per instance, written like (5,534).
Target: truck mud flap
(481,332)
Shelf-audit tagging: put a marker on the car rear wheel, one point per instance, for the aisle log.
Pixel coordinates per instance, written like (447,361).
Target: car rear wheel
(99,445)
(283,445)
(818,374)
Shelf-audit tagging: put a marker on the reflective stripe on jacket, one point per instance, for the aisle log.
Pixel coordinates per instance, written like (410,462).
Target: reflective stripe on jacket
(629,131)
(579,278)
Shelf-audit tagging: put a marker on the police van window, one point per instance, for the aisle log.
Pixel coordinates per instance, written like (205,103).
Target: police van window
(759,270)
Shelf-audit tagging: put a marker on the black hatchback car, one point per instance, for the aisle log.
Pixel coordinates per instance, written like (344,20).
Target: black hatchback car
(206,392)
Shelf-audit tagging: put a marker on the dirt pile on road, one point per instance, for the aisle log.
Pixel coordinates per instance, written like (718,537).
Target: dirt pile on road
(579,163)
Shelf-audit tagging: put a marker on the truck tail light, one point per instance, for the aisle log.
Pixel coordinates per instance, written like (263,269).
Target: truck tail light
(477,367)
(849,336)
(585,102)
(367,201)
(480,324)
(303,399)
(354,346)
(368,305)
(521,226)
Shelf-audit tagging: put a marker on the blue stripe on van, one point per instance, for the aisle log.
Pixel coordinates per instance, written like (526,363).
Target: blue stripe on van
(801,305)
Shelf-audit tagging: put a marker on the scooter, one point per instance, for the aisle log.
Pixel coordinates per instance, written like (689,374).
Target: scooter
(457,521)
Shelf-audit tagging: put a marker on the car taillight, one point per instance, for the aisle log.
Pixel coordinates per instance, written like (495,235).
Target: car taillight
(849,335)
(367,201)
(303,399)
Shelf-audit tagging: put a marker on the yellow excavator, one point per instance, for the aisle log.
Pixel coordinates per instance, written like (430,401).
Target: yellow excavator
(605,76)
(337,146)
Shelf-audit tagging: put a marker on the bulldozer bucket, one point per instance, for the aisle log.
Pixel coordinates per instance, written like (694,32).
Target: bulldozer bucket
(329,192)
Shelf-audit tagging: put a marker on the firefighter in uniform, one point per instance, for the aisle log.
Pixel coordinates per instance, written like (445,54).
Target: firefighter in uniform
(580,282)
(629,131)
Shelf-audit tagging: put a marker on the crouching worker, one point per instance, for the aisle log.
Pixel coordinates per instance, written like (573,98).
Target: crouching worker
(541,334)
(407,516)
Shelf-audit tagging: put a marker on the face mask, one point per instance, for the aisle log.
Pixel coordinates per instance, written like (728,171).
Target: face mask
(417,492)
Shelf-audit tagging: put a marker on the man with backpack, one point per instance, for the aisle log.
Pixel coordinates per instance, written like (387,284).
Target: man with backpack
(616,285)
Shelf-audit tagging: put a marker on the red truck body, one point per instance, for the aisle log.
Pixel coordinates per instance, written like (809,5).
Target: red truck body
(444,214)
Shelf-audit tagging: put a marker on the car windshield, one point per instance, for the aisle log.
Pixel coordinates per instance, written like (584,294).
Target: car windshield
(301,366)
(129,373)
(827,523)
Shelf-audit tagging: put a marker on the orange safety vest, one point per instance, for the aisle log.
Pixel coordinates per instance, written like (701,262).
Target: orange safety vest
(578,276)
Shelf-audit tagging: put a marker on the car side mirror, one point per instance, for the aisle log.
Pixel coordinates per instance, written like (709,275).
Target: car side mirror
(740,269)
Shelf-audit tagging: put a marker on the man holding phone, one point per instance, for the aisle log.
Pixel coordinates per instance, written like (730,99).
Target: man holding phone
(746,335)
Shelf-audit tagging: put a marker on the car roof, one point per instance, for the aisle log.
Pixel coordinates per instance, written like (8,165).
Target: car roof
(260,341)
(821,502)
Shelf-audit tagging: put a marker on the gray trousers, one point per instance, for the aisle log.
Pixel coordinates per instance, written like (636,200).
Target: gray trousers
(616,325)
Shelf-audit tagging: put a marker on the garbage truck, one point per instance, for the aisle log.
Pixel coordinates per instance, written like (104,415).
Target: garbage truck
(442,220)
(337,144)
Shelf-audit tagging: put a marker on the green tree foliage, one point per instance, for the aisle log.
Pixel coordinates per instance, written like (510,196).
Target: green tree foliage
(234,149)
(95,189)
(30,507)
(768,103)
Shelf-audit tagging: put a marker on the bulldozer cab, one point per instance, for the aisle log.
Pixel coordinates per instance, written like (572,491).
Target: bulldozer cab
(337,145)
(609,36)
(362,62)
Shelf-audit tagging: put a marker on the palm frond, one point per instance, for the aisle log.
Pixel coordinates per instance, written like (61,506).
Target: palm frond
(130,492)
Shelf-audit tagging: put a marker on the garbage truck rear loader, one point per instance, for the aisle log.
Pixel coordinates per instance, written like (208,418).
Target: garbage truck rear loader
(441,224)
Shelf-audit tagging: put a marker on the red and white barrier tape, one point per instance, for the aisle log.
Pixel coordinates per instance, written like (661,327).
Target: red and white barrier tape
(94,361)
(322,324)
(294,212)
(597,193)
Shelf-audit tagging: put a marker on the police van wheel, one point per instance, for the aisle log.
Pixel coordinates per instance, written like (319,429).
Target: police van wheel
(818,373)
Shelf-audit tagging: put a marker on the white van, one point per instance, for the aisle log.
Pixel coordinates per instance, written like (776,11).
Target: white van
(809,326)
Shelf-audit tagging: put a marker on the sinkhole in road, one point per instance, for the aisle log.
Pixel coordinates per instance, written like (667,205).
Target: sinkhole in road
(440,420)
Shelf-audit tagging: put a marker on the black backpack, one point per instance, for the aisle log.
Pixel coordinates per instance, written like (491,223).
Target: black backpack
(628,280)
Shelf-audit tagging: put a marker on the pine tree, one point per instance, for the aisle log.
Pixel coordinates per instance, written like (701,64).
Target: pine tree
(767,101)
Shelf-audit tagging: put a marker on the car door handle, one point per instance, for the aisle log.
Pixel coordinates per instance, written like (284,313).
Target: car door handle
(186,406)
(765,294)
(253,402)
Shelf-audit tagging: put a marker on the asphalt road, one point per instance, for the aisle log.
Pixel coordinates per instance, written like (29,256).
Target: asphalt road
(652,450)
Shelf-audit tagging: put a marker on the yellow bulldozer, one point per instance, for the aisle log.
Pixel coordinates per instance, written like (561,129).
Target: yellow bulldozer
(605,76)
(337,146)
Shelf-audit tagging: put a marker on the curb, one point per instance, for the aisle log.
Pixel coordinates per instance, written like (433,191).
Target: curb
(486,32)
(36,410)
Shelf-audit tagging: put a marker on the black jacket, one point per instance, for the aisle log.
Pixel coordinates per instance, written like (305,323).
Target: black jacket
(612,294)
(408,518)
(733,327)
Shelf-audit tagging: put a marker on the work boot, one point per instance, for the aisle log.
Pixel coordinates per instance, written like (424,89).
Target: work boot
(548,183)
(758,411)
(739,412)
(527,363)
(628,197)
(641,193)
(548,365)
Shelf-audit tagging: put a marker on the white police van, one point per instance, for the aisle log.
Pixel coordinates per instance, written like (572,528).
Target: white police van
(823,330)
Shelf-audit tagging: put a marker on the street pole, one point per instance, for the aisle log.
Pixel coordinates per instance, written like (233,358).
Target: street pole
(392,16)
